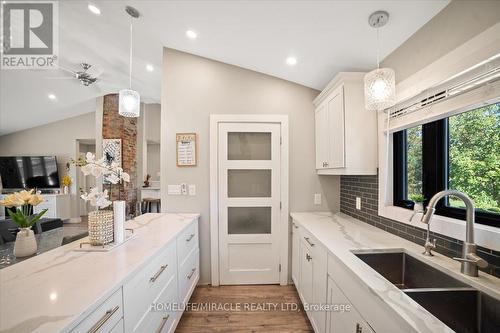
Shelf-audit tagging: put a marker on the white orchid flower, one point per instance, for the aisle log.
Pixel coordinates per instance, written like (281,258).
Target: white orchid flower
(125,176)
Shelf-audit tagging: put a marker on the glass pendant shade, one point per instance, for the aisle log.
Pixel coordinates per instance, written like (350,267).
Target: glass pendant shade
(380,89)
(129,103)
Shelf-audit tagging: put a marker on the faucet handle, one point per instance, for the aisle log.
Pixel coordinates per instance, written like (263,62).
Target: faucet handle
(473,259)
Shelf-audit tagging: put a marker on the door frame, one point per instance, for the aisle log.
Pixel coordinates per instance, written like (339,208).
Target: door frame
(215,120)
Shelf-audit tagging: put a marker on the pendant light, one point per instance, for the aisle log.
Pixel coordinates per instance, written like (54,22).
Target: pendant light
(130,100)
(380,84)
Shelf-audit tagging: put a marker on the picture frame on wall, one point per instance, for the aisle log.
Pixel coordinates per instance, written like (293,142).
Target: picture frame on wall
(186,149)
(112,153)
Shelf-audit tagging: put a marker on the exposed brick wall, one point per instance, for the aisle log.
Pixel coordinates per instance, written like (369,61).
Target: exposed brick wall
(366,187)
(115,126)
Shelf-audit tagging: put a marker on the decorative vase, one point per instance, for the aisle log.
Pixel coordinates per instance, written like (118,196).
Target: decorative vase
(25,244)
(100,227)
(418,207)
(65,190)
(119,221)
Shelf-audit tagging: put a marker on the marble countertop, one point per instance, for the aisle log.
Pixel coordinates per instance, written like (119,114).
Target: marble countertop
(46,241)
(341,234)
(51,292)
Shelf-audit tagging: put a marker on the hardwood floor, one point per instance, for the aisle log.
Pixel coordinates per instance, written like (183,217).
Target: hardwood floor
(260,308)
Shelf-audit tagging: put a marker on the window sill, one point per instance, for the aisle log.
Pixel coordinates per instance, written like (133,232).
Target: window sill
(484,235)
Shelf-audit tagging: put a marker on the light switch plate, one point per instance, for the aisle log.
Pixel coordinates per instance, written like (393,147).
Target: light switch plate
(174,190)
(317,198)
(192,189)
(358,203)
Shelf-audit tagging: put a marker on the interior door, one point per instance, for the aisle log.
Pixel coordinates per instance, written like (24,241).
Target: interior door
(249,202)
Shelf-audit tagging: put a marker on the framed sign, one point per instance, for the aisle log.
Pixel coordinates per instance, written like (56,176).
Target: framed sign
(186,149)
(112,152)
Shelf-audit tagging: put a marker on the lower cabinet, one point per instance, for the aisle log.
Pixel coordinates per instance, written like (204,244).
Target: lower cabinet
(346,318)
(295,253)
(151,300)
(312,261)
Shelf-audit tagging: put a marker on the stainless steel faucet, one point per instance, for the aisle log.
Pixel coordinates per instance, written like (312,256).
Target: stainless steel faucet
(470,260)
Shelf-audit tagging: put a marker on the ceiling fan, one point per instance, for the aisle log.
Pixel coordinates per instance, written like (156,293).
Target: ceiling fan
(85,76)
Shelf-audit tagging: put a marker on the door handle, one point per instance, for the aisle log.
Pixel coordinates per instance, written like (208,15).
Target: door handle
(308,257)
(359,329)
(308,241)
(162,324)
(191,274)
(154,277)
(103,320)
(190,237)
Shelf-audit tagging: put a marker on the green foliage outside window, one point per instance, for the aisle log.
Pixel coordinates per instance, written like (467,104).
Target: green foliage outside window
(414,161)
(474,156)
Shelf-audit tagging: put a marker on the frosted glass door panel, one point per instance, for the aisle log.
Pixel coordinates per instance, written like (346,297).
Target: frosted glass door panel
(249,220)
(248,183)
(248,146)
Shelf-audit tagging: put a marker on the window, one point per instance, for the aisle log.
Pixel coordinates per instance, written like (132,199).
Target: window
(461,152)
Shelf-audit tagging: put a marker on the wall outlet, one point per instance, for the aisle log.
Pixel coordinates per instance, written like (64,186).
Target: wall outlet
(192,189)
(358,203)
(317,198)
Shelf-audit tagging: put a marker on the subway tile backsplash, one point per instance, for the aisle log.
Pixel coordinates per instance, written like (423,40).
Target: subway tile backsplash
(366,187)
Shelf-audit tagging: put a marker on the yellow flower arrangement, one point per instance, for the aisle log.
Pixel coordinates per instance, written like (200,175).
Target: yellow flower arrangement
(67,181)
(22,202)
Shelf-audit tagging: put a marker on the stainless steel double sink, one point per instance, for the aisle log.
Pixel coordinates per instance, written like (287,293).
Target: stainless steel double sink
(458,305)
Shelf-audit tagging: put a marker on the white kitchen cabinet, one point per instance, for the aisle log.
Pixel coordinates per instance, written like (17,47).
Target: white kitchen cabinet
(295,253)
(312,279)
(343,321)
(345,132)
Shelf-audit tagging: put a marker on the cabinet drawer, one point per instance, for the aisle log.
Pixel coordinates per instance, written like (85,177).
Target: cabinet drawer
(163,317)
(146,285)
(118,327)
(188,275)
(186,242)
(105,317)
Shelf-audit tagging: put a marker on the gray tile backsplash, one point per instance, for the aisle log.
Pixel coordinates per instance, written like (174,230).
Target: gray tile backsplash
(366,187)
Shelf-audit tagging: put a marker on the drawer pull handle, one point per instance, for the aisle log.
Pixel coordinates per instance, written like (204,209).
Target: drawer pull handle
(190,237)
(191,274)
(359,329)
(154,277)
(162,324)
(295,226)
(308,241)
(104,319)
(308,257)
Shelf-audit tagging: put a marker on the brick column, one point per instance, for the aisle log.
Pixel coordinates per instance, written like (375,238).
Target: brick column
(115,126)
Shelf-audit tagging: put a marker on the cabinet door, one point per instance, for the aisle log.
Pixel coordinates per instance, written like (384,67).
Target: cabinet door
(319,261)
(321,136)
(295,253)
(336,129)
(306,273)
(346,321)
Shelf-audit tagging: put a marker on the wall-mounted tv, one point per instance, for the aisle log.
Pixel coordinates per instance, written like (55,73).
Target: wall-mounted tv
(19,172)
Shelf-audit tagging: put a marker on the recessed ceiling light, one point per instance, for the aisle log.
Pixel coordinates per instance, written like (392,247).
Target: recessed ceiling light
(291,61)
(191,34)
(51,96)
(150,68)
(94,9)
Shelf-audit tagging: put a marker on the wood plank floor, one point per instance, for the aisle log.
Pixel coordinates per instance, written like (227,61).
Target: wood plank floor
(262,308)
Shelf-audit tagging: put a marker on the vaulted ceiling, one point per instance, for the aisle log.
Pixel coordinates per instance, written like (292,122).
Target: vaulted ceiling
(324,36)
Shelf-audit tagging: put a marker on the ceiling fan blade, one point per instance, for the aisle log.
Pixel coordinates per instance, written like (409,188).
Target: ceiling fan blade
(59,78)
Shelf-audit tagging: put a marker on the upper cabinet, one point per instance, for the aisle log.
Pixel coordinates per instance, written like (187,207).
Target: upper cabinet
(346,133)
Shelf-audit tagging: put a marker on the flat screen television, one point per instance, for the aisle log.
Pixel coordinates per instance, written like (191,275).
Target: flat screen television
(19,172)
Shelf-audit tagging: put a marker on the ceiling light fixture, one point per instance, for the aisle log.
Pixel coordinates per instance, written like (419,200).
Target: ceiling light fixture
(380,84)
(130,100)
(52,97)
(150,68)
(291,61)
(94,9)
(191,34)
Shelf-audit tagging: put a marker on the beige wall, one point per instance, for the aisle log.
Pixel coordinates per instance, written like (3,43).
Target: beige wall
(153,112)
(193,88)
(58,138)
(455,24)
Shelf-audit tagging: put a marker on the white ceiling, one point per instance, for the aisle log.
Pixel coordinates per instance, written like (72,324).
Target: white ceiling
(325,36)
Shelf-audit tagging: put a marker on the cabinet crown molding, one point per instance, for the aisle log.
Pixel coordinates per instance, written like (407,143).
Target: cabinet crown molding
(340,78)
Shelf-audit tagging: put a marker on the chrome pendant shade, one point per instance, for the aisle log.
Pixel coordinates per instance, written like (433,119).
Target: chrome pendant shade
(380,84)
(129,104)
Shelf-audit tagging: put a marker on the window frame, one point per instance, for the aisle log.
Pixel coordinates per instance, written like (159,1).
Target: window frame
(434,172)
